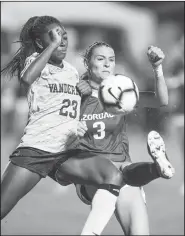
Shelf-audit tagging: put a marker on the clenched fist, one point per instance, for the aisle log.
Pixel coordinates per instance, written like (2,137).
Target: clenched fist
(155,56)
(82,128)
(84,88)
(55,37)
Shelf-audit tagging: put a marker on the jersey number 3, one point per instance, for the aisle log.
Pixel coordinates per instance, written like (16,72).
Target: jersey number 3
(64,109)
(100,130)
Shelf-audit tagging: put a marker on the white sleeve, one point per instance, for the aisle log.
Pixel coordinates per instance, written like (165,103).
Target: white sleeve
(28,62)
(77,75)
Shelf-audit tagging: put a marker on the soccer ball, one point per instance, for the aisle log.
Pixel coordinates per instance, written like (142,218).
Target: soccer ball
(118,94)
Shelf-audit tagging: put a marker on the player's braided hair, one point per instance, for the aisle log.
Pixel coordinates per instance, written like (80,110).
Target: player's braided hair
(31,30)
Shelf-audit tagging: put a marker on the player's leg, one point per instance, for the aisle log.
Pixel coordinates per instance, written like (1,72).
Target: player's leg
(62,180)
(139,174)
(16,182)
(93,196)
(131,211)
(100,172)
(90,168)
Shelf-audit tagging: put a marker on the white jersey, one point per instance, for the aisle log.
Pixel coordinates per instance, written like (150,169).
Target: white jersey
(54,108)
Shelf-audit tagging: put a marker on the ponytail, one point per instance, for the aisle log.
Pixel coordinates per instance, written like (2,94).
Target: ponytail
(32,29)
(16,65)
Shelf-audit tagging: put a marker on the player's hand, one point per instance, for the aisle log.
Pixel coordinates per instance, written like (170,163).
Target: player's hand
(84,88)
(82,128)
(55,37)
(155,56)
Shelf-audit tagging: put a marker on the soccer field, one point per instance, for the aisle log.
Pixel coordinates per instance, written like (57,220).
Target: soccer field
(53,210)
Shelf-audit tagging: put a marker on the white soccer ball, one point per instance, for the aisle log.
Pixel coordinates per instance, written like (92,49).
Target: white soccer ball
(118,94)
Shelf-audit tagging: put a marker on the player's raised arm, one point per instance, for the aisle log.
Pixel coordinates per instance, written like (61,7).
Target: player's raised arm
(31,73)
(159,97)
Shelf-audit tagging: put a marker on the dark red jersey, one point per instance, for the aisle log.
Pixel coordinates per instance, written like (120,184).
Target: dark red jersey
(106,132)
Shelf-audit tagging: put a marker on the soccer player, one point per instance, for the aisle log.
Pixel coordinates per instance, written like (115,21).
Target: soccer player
(51,84)
(106,138)
(53,122)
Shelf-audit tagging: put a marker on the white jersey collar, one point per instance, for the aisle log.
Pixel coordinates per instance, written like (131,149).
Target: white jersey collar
(55,69)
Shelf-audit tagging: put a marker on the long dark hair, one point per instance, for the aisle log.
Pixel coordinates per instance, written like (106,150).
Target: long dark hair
(31,30)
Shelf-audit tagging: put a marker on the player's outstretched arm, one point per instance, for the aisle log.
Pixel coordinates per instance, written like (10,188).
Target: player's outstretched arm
(31,73)
(160,96)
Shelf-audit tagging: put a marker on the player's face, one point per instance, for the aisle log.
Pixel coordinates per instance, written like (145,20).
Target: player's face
(59,53)
(102,63)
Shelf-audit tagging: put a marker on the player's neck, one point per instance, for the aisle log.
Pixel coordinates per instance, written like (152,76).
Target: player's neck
(59,64)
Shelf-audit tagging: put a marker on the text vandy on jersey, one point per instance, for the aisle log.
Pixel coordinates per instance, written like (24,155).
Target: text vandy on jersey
(63,88)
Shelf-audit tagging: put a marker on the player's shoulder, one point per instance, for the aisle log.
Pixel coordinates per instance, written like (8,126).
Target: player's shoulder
(90,104)
(69,66)
(70,69)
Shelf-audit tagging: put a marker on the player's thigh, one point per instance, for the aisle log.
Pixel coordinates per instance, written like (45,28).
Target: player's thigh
(122,165)
(15,183)
(89,169)
(58,177)
(131,211)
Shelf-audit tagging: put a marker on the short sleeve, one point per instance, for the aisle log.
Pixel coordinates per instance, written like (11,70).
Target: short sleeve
(28,62)
(77,74)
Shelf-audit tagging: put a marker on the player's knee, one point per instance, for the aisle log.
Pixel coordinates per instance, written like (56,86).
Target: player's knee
(61,179)
(7,203)
(112,181)
(3,214)
(4,210)
(131,196)
(114,178)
